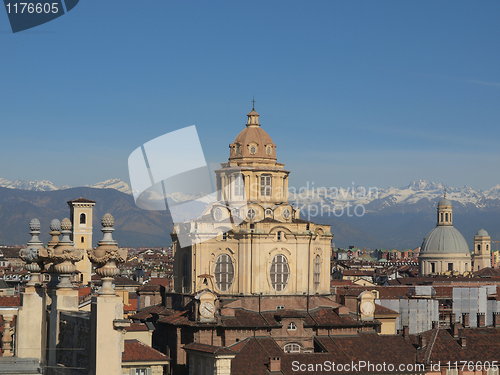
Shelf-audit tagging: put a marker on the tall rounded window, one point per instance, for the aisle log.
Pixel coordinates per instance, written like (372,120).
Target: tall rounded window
(83,219)
(280,273)
(317,271)
(224,272)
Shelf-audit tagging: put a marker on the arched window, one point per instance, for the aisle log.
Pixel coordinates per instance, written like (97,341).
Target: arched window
(487,247)
(82,239)
(83,218)
(224,272)
(478,247)
(317,270)
(265,185)
(291,348)
(224,236)
(441,216)
(446,217)
(239,186)
(292,326)
(280,272)
(279,236)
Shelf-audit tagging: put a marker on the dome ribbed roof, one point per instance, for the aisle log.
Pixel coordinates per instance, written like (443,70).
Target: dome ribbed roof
(253,142)
(444,240)
(482,233)
(444,202)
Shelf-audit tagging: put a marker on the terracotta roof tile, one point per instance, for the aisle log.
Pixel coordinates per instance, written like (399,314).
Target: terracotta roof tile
(135,327)
(10,301)
(208,348)
(81,200)
(136,351)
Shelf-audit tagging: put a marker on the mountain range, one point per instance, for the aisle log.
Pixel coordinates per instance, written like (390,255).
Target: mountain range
(386,217)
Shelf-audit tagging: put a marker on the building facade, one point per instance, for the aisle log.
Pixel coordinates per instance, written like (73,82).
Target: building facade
(272,251)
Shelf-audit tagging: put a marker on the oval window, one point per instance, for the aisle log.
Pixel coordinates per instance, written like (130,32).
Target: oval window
(279,273)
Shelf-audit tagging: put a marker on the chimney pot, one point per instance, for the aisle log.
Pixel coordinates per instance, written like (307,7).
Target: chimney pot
(481,320)
(496,319)
(422,341)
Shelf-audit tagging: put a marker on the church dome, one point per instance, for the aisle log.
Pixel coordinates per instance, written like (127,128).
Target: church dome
(444,202)
(444,240)
(253,142)
(482,233)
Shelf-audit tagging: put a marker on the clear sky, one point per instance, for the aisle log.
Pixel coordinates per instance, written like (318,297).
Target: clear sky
(376,92)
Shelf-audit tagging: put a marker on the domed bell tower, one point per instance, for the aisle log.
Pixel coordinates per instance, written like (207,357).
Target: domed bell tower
(482,250)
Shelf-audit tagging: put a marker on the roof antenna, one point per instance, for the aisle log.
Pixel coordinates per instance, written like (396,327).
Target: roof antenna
(253,103)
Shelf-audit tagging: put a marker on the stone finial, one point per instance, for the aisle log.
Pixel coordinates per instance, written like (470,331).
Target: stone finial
(55,225)
(106,256)
(63,255)
(35,225)
(65,225)
(30,254)
(55,231)
(108,220)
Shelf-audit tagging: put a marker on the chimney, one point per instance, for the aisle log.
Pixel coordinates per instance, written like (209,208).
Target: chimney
(422,341)
(455,327)
(496,319)
(406,332)
(465,320)
(274,364)
(452,319)
(481,320)
(463,342)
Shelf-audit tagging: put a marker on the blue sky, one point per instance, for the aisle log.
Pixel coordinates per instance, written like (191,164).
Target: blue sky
(376,92)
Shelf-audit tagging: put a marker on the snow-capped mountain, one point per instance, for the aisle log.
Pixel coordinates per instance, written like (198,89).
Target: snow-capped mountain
(113,183)
(31,185)
(378,198)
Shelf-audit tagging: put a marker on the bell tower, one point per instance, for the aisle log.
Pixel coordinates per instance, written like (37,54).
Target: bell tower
(482,250)
(81,210)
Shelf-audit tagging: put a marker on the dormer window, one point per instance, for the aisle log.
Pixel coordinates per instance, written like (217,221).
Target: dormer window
(253,149)
(291,348)
(237,149)
(268,150)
